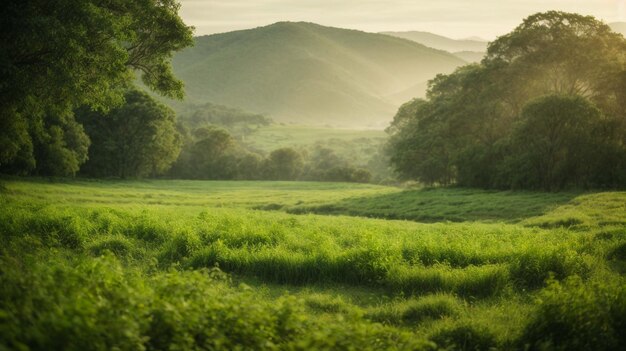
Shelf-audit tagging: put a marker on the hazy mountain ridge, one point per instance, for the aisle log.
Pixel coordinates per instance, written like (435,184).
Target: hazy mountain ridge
(470,56)
(442,43)
(309,73)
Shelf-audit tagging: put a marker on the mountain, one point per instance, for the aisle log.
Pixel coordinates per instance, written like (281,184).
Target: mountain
(470,56)
(307,73)
(619,27)
(441,42)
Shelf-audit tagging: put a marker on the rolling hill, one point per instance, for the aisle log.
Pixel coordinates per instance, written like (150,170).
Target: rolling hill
(470,56)
(441,42)
(310,74)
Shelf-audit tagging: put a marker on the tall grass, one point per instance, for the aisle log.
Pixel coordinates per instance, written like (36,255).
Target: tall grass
(83,274)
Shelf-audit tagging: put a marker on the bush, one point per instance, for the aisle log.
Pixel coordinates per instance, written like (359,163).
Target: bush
(180,247)
(118,246)
(532,268)
(465,336)
(576,316)
(416,311)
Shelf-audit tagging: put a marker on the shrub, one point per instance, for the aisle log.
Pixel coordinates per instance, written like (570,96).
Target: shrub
(574,315)
(416,311)
(119,246)
(465,336)
(181,246)
(532,268)
(618,252)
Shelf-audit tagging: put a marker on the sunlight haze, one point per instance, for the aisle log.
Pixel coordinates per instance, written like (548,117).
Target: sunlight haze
(452,18)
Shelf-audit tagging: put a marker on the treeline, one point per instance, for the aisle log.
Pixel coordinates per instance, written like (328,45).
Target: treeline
(545,109)
(142,138)
(211,152)
(68,104)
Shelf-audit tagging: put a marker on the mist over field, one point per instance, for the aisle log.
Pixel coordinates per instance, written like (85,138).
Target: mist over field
(312,175)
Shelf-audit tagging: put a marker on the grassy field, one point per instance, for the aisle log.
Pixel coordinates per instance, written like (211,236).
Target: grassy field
(206,265)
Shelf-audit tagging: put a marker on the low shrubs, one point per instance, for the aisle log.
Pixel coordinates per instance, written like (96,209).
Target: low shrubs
(574,315)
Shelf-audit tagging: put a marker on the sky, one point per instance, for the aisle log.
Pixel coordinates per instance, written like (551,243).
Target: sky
(453,18)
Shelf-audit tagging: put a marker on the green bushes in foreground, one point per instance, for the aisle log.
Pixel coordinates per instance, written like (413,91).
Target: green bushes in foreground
(575,315)
(97,304)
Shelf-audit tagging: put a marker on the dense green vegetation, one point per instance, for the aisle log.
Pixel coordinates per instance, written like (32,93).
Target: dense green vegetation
(545,109)
(213,153)
(301,136)
(309,74)
(59,56)
(247,265)
(134,140)
(131,265)
(226,143)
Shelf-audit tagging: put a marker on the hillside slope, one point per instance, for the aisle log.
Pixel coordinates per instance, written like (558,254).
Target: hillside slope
(307,73)
(441,42)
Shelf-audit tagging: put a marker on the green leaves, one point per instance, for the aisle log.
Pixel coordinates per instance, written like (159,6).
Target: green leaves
(135,140)
(483,126)
(58,56)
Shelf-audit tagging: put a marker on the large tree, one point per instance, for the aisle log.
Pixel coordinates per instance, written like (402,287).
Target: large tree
(134,140)
(463,132)
(283,164)
(209,153)
(59,55)
(560,141)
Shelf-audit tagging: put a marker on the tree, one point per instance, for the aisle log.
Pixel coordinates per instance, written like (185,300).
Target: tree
(249,166)
(59,55)
(560,142)
(60,146)
(134,140)
(465,131)
(283,164)
(211,154)
(559,53)
(419,149)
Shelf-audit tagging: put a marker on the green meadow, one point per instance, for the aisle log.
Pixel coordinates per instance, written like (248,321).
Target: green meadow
(180,265)
(285,135)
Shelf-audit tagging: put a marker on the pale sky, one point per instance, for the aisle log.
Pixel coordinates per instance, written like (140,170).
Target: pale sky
(452,18)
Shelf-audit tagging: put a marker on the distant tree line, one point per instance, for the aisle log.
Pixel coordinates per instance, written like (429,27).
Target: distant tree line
(545,109)
(211,152)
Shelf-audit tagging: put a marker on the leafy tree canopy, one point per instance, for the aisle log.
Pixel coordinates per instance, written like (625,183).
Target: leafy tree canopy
(134,140)
(59,55)
(470,129)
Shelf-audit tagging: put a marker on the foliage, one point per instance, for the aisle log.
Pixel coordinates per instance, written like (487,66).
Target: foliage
(574,315)
(131,265)
(543,110)
(283,164)
(235,120)
(561,141)
(325,165)
(134,140)
(58,56)
(209,153)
